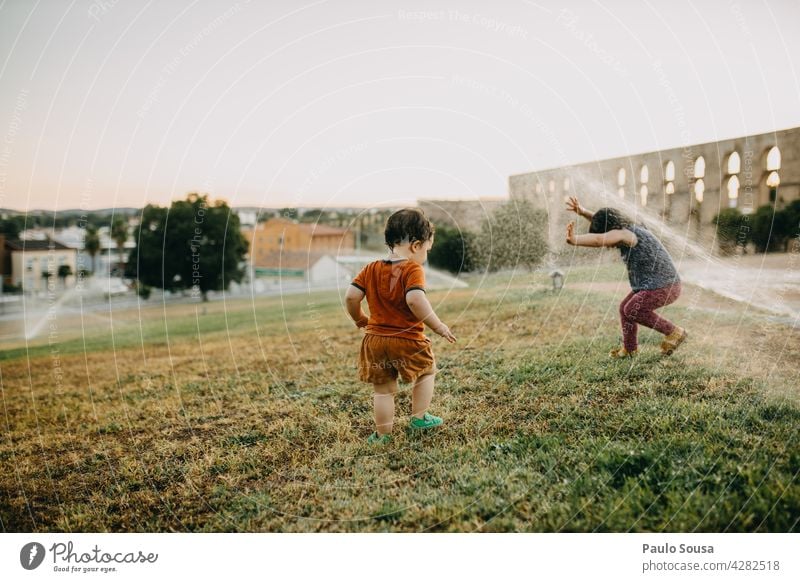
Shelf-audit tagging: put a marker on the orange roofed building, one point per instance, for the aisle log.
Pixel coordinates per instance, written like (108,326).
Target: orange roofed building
(279,242)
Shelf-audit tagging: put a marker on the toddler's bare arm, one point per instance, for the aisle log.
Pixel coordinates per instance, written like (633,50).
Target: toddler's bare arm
(352,300)
(423,310)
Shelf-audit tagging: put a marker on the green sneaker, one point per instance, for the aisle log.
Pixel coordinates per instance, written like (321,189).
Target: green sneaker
(426,422)
(376,439)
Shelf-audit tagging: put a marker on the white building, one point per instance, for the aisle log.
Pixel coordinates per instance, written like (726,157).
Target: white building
(33,262)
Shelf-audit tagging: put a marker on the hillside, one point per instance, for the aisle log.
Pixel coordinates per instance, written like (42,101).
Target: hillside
(245,416)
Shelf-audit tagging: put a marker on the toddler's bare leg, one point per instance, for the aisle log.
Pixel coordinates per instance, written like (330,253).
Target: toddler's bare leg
(383,403)
(422,394)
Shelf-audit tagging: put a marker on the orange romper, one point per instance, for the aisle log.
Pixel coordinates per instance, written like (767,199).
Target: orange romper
(394,344)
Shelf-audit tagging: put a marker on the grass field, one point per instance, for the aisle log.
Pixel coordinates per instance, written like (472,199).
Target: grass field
(246,416)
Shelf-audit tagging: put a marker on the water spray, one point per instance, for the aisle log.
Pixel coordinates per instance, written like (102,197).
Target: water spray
(694,259)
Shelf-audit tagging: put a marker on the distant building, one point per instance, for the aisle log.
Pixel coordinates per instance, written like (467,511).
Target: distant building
(36,233)
(27,260)
(286,244)
(71,236)
(312,268)
(108,256)
(246,217)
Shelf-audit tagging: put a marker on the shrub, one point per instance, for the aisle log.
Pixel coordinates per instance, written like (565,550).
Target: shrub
(143,290)
(792,214)
(731,231)
(514,236)
(454,250)
(771,229)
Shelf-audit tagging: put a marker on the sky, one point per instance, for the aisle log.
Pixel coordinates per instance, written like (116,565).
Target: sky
(116,103)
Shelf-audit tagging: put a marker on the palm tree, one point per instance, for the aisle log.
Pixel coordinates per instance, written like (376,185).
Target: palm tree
(64,271)
(91,243)
(119,232)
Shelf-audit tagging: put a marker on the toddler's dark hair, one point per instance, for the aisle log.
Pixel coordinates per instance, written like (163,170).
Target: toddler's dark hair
(607,219)
(407,226)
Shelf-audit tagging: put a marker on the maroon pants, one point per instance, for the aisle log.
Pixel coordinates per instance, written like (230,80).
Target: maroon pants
(638,307)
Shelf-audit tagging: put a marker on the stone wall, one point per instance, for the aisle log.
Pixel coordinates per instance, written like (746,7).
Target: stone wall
(681,201)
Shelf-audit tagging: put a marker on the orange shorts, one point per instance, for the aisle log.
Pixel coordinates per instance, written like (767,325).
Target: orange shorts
(383,359)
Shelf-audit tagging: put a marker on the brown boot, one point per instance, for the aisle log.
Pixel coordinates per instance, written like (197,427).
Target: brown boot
(621,352)
(673,340)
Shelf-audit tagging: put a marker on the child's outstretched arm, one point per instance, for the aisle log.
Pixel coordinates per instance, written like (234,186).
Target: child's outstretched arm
(352,300)
(423,310)
(574,206)
(612,238)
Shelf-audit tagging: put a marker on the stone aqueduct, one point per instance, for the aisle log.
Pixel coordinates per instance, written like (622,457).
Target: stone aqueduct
(683,186)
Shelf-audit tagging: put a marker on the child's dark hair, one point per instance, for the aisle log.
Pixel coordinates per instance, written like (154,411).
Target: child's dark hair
(407,226)
(607,219)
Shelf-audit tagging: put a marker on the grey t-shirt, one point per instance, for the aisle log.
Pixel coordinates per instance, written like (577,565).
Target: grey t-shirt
(649,264)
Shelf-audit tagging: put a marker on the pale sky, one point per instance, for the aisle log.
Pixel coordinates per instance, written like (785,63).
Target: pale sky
(112,103)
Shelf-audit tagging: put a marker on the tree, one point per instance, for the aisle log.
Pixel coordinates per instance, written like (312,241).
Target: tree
(771,229)
(513,236)
(119,232)
(143,290)
(454,250)
(289,213)
(64,271)
(792,219)
(731,232)
(11,228)
(313,215)
(91,242)
(49,278)
(191,245)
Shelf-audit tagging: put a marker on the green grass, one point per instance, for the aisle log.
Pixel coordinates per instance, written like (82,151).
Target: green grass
(256,423)
(158,325)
